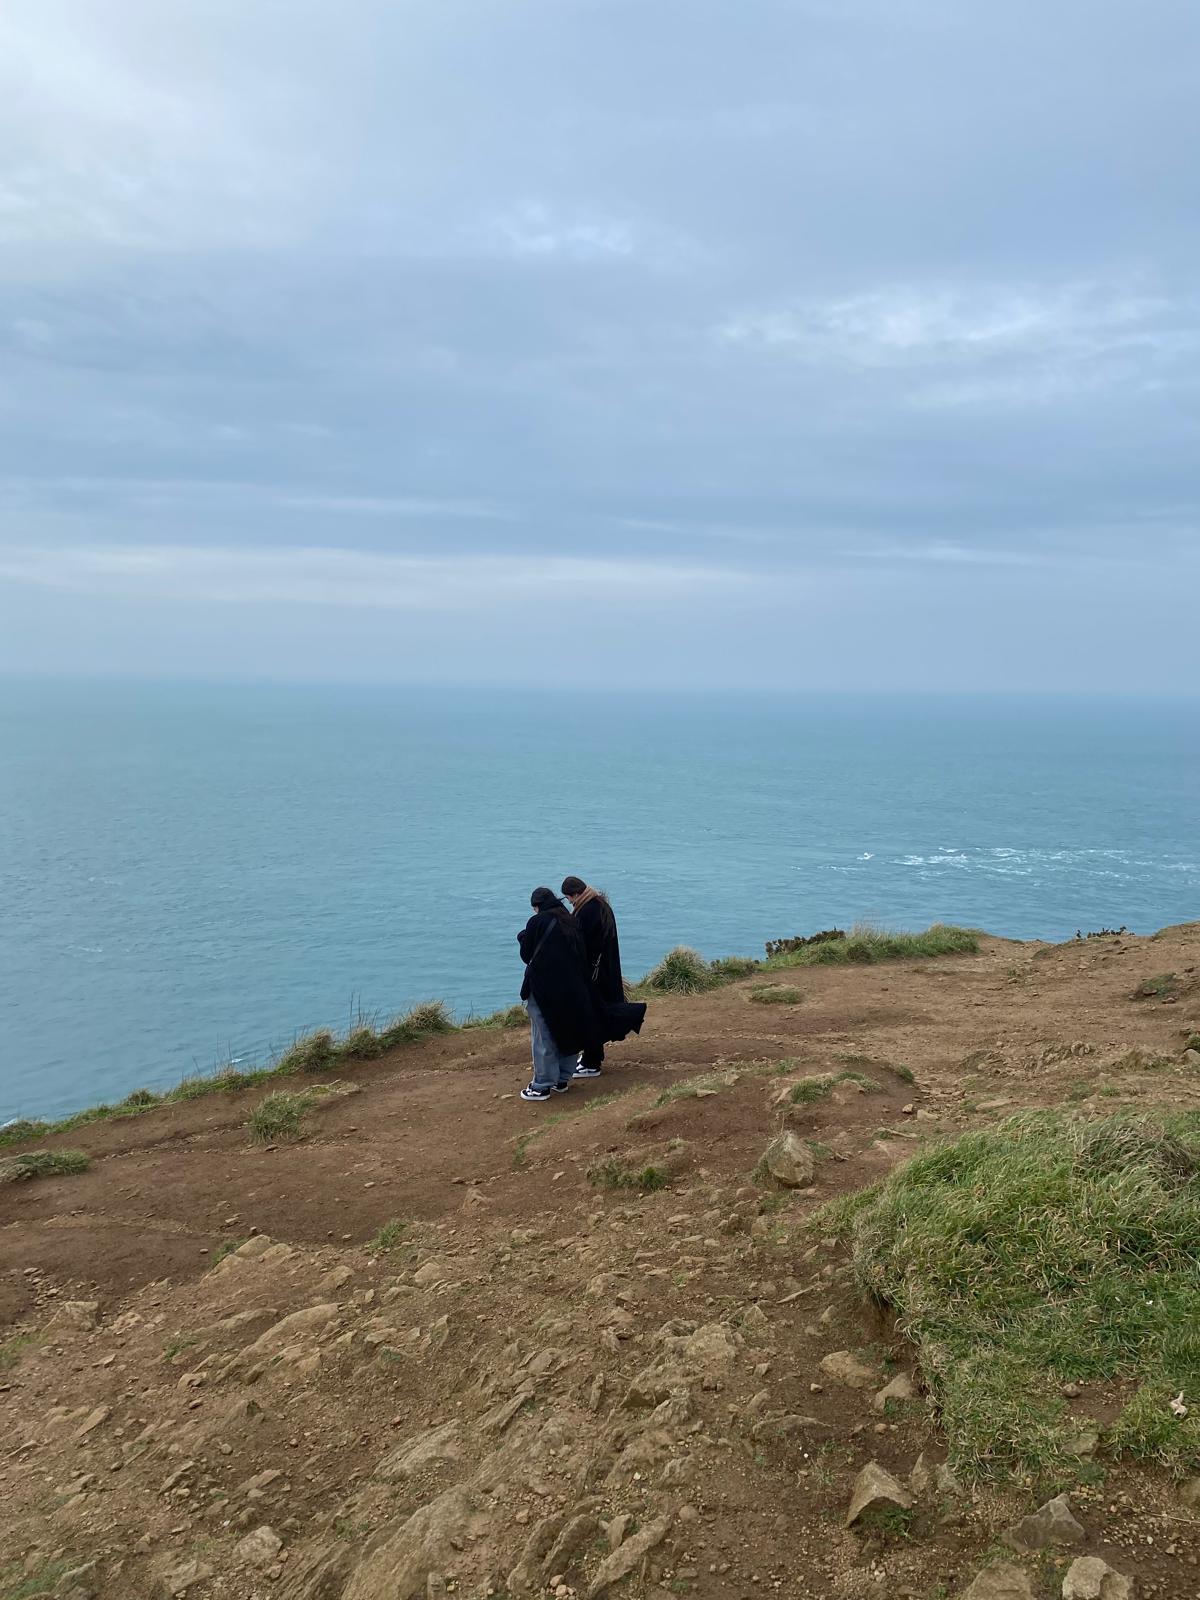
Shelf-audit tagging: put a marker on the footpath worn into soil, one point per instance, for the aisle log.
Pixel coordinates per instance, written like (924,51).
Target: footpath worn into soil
(447,1343)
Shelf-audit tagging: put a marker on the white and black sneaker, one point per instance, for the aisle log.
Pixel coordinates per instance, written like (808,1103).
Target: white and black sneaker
(586,1072)
(536,1091)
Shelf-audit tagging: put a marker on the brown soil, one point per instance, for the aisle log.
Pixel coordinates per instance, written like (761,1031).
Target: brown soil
(515,1271)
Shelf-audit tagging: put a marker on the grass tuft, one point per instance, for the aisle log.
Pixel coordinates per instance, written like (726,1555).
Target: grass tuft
(314,1052)
(775,994)
(681,971)
(278,1116)
(865,944)
(509,1017)
(43,1164)
(388,1237)
(727,969)
(1165,986)
(612,1174)
(1045,1250)
(19,1345)
(431,1017)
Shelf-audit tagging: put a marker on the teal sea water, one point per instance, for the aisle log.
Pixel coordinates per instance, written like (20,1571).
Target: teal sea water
(192,875)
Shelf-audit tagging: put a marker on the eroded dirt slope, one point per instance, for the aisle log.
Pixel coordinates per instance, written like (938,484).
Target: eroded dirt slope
(543,1384)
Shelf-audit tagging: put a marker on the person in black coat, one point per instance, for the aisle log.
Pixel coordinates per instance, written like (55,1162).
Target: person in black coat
(562,1017)
(617,1016)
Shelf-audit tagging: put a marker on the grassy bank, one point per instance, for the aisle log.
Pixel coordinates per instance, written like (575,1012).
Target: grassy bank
(681,971)
(1031,1259)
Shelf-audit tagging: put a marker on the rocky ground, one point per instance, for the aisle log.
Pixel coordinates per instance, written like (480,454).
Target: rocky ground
(224,1373)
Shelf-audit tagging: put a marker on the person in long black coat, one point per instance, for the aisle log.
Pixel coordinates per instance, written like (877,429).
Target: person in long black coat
(563,1022)
(617,1016)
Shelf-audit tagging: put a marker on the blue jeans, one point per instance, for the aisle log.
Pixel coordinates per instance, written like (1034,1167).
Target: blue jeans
(551,1066)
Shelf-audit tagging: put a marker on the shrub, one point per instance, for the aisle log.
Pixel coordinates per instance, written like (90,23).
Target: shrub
(681,971)
(278,1116)
(1046,1250)
(140,1099)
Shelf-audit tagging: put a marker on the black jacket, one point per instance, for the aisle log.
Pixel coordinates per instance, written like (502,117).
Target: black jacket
(557,978)
(618,1016)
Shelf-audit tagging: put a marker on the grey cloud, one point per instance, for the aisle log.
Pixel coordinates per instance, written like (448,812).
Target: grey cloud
(886,308)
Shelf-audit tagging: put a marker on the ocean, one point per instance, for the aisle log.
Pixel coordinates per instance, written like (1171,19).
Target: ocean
(193,875)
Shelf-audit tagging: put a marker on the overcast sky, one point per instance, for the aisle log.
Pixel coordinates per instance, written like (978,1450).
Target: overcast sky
(653,342)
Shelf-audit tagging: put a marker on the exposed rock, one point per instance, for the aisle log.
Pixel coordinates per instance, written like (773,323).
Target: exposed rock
(1189,1492)
(876,1490)
(91,1422)
(845,1367)
(432,1272)
(79,1313)
(1089,1578)
(258,1549)
(624,1558)
(1051,1524)
(920,1479)
(396,1567)
(311,1320)
(789,1161)
(499,1417)
(574,1536)
(177,1577)
(900,1389)
(999,1580)
(426,1449)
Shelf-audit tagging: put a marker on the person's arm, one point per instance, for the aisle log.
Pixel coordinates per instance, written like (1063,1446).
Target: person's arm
(527,939)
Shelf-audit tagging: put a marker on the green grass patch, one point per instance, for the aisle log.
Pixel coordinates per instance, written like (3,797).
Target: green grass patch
(1044,1250)
(227,1247)
(728,969)
(899,1070)
(611,1173)
(775,994)
(278,1116)
(809,1090)
(1163,987)
(866,944)
(509,1017)
(177,1344)
(388,1236)
(43,1164)
(12,1350)
(19,1585)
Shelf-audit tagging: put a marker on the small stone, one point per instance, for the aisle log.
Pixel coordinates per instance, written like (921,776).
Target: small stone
(79,1313)
(900,1389)
(789,1161)
(1188,1492)
(875,1490)
(258,1549)
(92,1421)
(999,1580)
(1051,1524)
(845,1367)
(1089,1578)
(432,1272)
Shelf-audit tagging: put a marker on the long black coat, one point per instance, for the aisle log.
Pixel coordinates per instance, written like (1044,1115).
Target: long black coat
(618,1016)
(557,978)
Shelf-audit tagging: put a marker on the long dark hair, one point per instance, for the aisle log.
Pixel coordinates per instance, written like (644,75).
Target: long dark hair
(546,900)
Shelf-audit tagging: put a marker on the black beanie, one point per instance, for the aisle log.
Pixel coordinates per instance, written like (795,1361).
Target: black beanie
(573,886)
